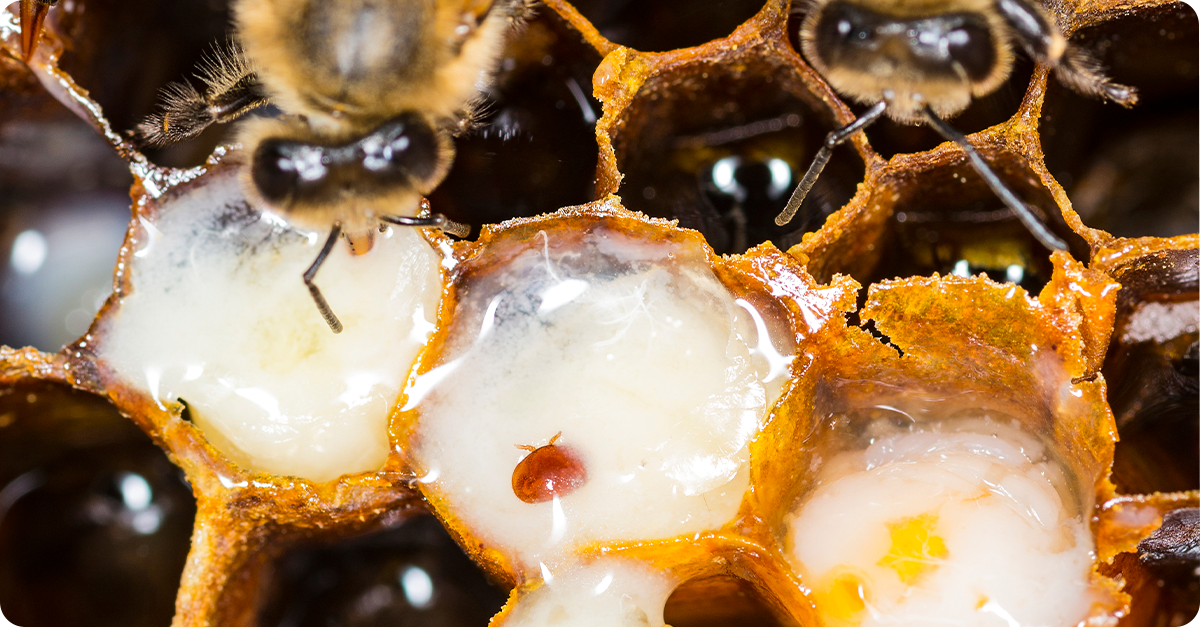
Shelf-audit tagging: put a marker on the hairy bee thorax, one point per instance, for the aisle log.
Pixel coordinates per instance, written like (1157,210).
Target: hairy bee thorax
(338,63)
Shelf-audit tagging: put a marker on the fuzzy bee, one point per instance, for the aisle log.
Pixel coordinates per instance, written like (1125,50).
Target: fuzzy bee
(371,93)
(921,61)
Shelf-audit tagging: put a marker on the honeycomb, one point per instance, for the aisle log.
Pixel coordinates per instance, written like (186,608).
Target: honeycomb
(912,293)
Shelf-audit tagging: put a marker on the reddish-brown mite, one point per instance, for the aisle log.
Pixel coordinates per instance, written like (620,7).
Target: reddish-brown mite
(546,472)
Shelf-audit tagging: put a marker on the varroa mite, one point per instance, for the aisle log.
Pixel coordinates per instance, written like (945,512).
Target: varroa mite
(549,471)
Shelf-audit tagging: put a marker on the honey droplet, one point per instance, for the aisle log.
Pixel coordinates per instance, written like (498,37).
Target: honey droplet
(548,471)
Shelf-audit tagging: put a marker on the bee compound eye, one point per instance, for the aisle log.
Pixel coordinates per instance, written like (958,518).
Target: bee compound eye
(972,46)
(282,170)
(841,25)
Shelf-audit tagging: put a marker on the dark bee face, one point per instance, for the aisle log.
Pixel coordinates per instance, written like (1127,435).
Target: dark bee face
(947,46)
(402,153)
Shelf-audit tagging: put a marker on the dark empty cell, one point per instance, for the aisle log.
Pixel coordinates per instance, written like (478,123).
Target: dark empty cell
(890,138)
(94,520)
(717,601)
(534,150)
(1133,172)
(724,153)
(1152,374)
(411,575)
(125,52)
(950,223)
(64,208)
(666,25)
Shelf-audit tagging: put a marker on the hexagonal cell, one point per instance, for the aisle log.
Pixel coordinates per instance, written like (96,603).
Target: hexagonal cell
(64,208)
(94,519)
(902,523)
(411,574)
(717,600)
(1132,172)
(945,220)
(161,41)
(719,143)
(663,26)
(633,381)
(915,463)
(268,383)
(932,213)
(529,153)
(1151,368)
(608,591)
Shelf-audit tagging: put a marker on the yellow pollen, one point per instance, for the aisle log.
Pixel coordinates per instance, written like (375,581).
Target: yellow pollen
(842,598)
(915,550)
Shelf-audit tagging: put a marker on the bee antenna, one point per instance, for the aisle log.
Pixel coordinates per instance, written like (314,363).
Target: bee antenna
(311,273)
(832,140)
(1023,212)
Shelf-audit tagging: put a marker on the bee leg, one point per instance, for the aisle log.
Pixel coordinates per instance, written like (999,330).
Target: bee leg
(1023,212)
(1075,67)
(231,89)
(33,15)
(436,221)
(832,140)
(311,273)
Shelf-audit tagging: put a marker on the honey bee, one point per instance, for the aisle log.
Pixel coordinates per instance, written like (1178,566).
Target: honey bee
(921,61)
(371,93)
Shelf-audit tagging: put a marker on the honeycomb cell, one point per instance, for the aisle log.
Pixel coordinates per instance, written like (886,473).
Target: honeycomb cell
(902,528)
(607,591)
(1151,370)
(1132,172)
(615,338)
(94,519)
(161,41)
(694,146)
(717,600)
(58,237)
(945,220)
(663,26)
(530,151)
(409,575)
(269,384)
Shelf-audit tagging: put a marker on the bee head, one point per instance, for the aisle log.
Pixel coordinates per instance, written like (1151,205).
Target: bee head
(389,167)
